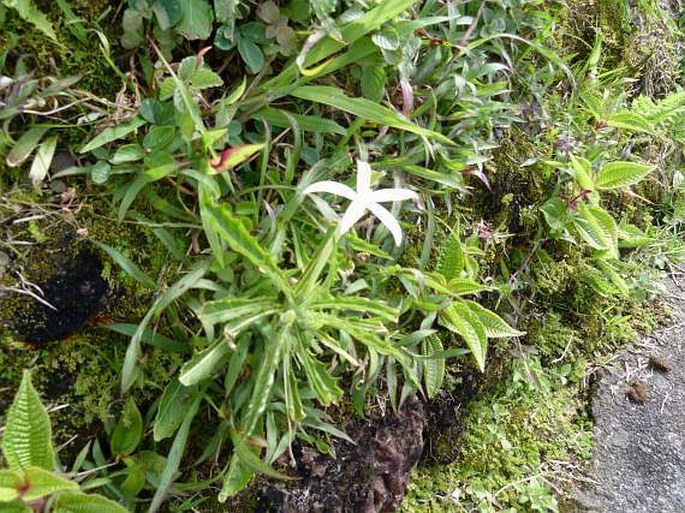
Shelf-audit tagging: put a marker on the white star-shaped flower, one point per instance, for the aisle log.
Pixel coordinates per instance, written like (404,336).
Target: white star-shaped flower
(364,199)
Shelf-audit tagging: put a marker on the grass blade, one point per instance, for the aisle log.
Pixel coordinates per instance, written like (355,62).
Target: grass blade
(365,109)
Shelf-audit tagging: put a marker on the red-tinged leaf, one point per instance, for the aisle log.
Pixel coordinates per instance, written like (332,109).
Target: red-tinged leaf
(232,157)
(478,173)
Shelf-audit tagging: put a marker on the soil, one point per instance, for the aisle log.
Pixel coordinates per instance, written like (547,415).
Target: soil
(73,287)
(639,459)
(369,477)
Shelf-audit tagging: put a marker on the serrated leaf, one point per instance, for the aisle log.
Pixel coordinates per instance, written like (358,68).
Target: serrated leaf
(582,169)
(43,482)
(630,121)
(27,439)
(451,259)
(596,226)
(386,39)
(433,368)
(28,142)
(495,326)
(239,239)
(28,11)
(11,483)
(41,162)
(128,432)
(465,287)
(459,319)
(616,175)
(556,213)
(196,19)
(72,502)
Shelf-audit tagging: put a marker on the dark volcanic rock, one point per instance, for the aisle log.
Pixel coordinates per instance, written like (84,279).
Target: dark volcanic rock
(370,477)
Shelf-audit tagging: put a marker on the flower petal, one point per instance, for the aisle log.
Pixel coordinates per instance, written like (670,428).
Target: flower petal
(332,187)
(363,177)
(383,195)
(354,213)
(385,217)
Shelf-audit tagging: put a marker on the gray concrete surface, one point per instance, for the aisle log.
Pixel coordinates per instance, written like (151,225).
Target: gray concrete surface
(639,410)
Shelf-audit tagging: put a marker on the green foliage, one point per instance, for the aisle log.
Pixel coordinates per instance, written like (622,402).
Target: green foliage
(28,450)
(268,314)
(27,440)
(29,12)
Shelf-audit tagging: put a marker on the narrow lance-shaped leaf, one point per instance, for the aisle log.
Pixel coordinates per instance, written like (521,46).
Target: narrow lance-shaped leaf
(171,294)
(27,440)
(234,233)
(266,374)
(11,482)
(232,157)
(320,380)
(172,409)
(112,134)
(42,161)
(128,266)
(174,457)
(203,363)
(25,145)
(364,109)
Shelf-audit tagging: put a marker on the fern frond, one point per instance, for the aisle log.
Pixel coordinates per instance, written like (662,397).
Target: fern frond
(665,111)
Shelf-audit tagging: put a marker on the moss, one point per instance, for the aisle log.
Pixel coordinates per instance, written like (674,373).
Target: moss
(81,371)
(69,57)
(509,433)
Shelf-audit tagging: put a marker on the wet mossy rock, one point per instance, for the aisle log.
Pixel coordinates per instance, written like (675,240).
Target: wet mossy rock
(68,274)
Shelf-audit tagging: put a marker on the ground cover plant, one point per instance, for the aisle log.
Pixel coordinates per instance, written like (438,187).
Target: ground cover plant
(310,205)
